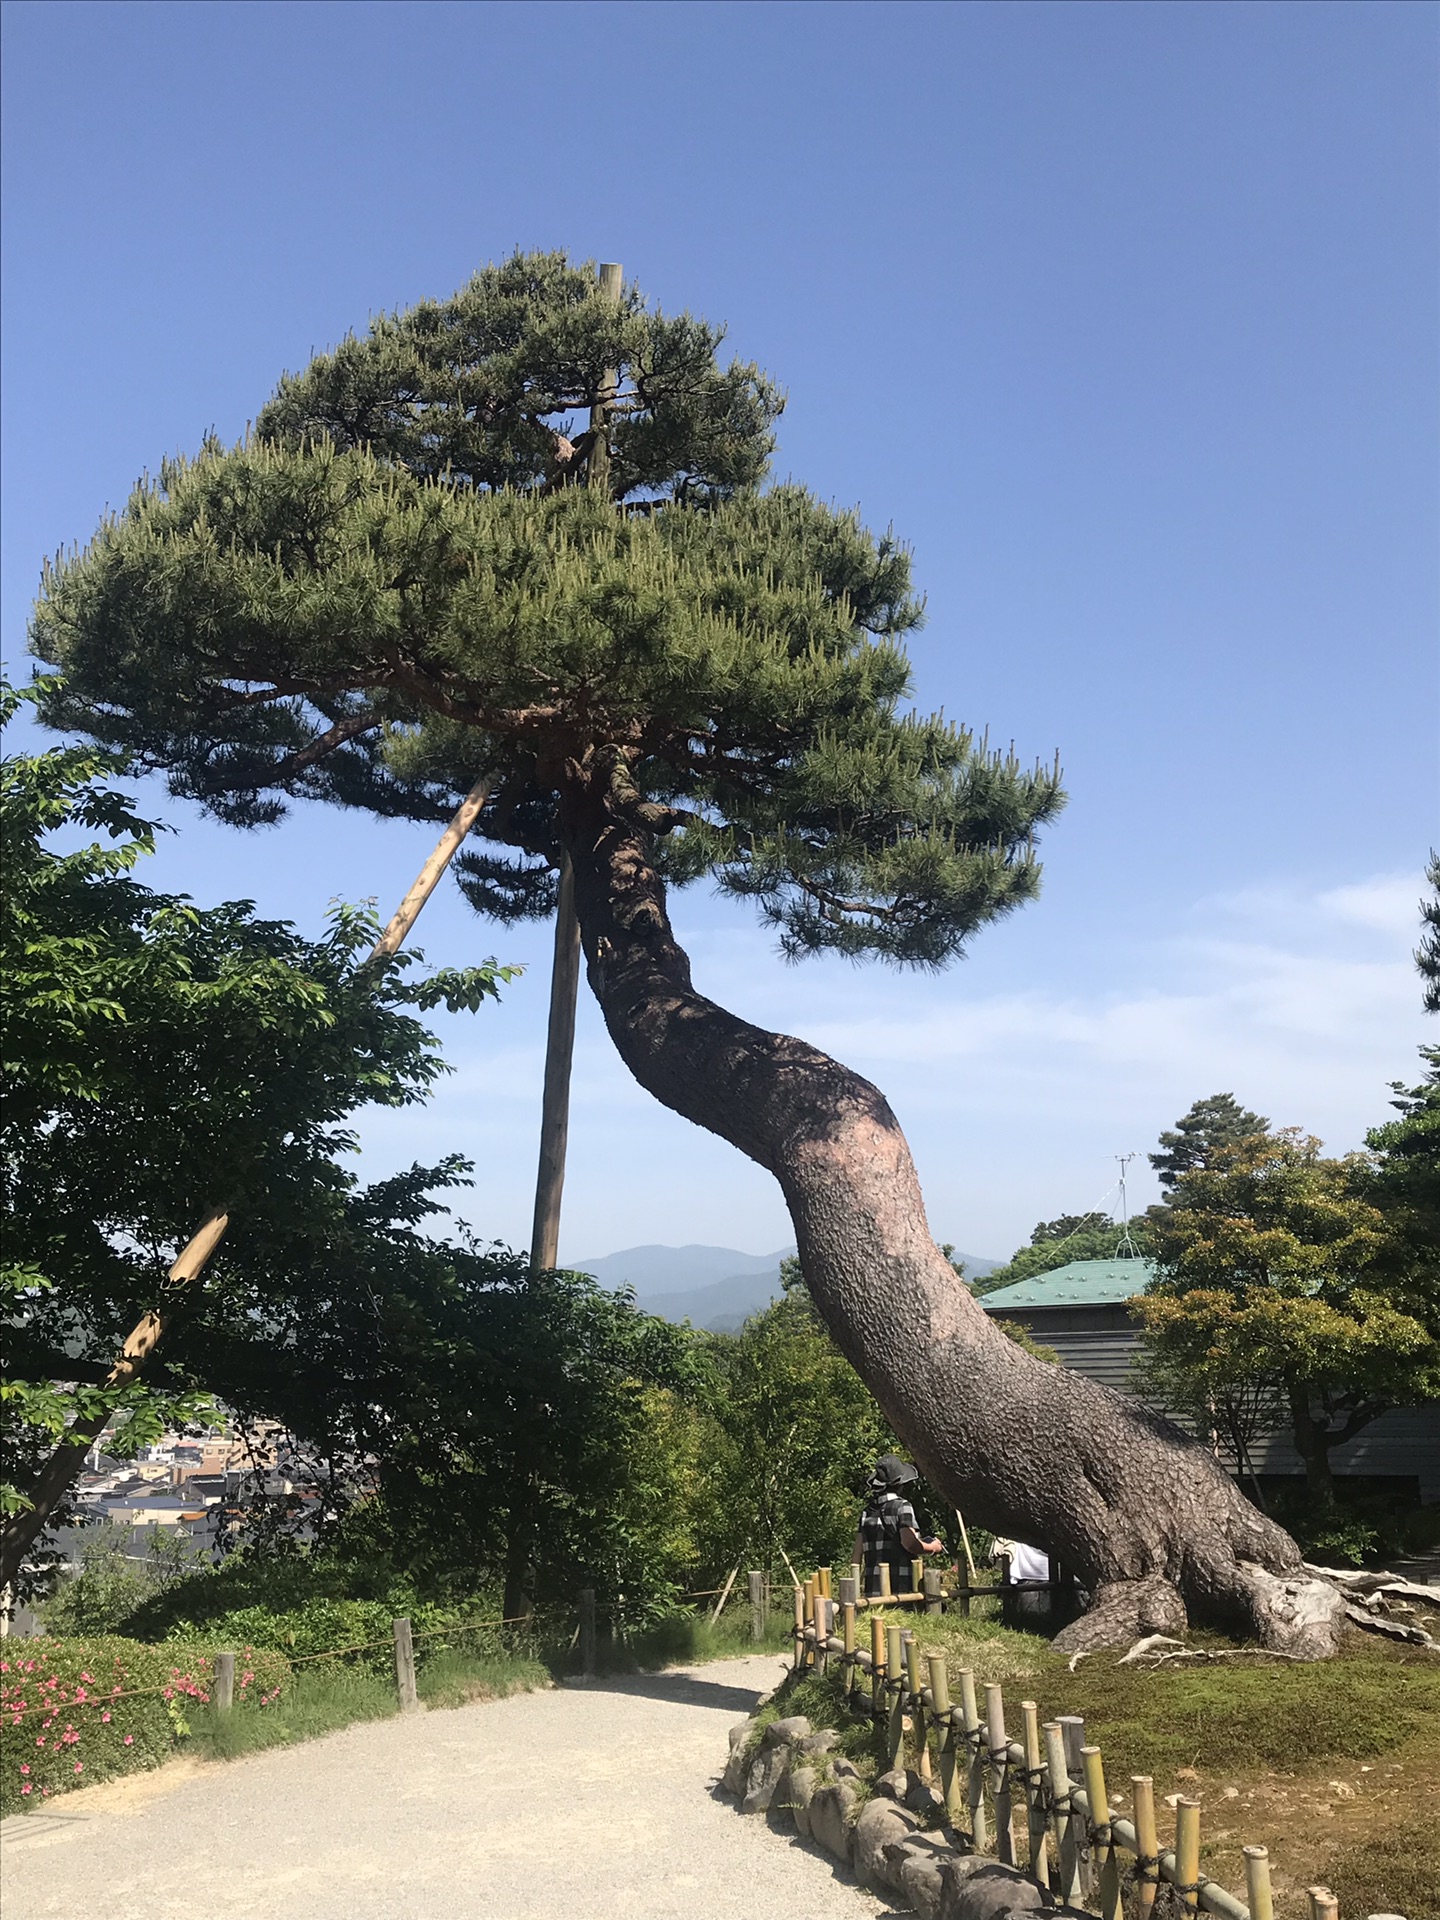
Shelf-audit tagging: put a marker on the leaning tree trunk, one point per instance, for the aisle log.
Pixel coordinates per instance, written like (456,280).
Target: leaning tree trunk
(1151,1524)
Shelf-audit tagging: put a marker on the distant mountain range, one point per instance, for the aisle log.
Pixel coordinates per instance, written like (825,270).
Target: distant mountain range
(717,1288)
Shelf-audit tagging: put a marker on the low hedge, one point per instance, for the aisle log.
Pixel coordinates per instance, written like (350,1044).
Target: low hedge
(73,1712)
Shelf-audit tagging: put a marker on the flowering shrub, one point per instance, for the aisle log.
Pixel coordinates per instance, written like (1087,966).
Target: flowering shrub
(76,1711)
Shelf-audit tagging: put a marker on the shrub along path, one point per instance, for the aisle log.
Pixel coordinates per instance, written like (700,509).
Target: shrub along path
(578,1802)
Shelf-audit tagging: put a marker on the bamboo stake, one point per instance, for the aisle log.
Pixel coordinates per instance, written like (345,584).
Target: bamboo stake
(847,1632)
(1036,1830)
(895,1687)
(1147,1841)
(999,1743)
(799,1628)
(877,1665)
(1257,1883)
(725,1594)
(428,878)
(1323,1904)
(917,1707)
(975,1778)
(1067,1852)
(794,1577)
(965,1542)
(884,1571)
(1187,1859)
(1102,1841)
(945,1735)
(822,1577)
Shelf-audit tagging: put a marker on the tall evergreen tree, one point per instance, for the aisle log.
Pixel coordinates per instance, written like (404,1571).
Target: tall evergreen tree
(1427,954)
(671,674)
(1213,1123)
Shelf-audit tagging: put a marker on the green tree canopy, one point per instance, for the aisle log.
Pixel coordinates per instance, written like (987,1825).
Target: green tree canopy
(1215,1122)
(1271,1281)
(344,612)
(161,1060)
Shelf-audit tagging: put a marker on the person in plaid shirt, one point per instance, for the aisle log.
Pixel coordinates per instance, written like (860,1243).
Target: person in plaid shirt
(889,1532)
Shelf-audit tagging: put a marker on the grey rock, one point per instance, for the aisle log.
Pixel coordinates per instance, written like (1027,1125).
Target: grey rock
(830,1809)
(893,1785)
(739,1733)
(783,1733)
(823,1742)
(792,1797)
(738,1765)
(881,1822)
(922,1798)
(843,1769)
(979,1889)
(763,1778)
(918,1872)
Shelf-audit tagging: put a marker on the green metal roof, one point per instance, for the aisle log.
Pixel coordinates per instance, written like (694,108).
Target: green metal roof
(1083,1283)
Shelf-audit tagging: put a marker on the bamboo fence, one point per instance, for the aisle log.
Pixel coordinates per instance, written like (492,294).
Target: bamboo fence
(1038,1802)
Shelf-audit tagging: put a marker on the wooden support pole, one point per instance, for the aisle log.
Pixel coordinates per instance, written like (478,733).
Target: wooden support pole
(877,1666)
(930,1587)
(555,1098)
(799,1628)
(1035,1823)
(883,1569)
(915,1685)
(428,878)
(847,1632)
(1102,1841)
(725,1593)
(1147,1841)
(224,1682)
(917,1576)
(1187,1859)
(405,1668)
(998,1742)
(822,1577)
(758,1610)
(587,1632)
(975,1772)
(1257,1883)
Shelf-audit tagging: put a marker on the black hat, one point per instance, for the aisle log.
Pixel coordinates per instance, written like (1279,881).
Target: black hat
(892,1471)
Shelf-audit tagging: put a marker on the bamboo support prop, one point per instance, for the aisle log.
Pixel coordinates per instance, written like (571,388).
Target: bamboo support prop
(1147,1844)
(999,1752)
(1037,1827)
(1102,1839)
(975,1777)
(895,1690)
(1187,1857)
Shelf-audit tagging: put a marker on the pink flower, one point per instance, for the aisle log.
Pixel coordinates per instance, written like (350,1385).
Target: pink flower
(79,1766)
(84,1676)
(27,1788)
(104,1718)
(79,1695)
(40,1740)
(25,1766)
(129,1739)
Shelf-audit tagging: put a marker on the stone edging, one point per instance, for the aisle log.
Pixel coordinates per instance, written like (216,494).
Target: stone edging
(793,1776)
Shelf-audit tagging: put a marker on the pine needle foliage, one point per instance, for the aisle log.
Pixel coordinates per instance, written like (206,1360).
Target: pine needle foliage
(397,583)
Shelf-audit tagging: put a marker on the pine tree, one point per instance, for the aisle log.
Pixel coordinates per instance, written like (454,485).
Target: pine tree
(1427,954)
(418,570)
(1219,1121)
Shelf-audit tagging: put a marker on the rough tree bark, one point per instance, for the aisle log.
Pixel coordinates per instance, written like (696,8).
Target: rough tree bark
(1152,1526)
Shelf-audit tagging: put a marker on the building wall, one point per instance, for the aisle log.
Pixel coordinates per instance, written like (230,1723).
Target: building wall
(1103,1343)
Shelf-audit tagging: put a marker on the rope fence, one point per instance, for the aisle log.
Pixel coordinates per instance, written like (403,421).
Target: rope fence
(1040,1802)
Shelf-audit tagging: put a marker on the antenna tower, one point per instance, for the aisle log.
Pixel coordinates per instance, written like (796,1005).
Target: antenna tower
(1126,1250)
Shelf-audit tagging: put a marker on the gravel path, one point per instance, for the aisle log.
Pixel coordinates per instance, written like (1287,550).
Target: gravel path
(594,1801)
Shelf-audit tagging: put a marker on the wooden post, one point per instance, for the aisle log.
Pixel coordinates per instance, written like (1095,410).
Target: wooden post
(1035,1826)
(725,1594)
(999,1744)
(895,1687)
(587,1632)
(975,1775)
(405,1668)
(945,1734)
(1147,1865)
(1102,1841)
(1067,1852)
(758,1621)
(224,1682)
(1187,1859)
(1257,1883)
(931,1589)
(555,1099)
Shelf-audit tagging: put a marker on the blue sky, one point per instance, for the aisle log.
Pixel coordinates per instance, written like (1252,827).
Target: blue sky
(1123,316)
